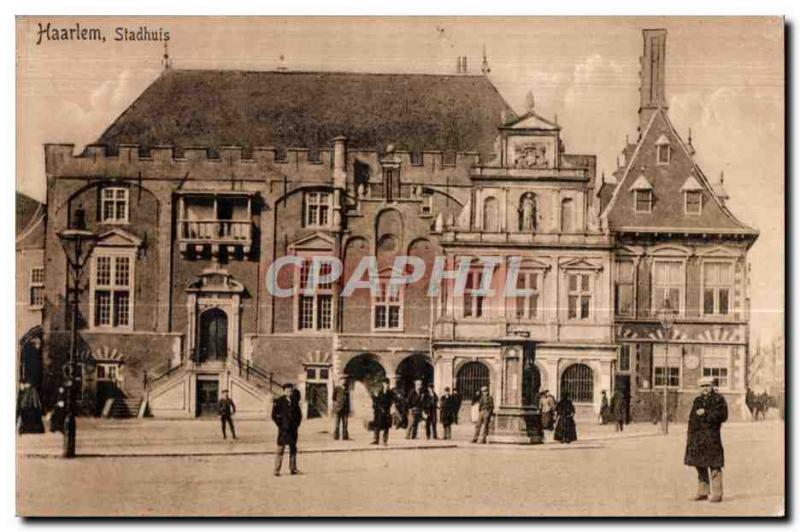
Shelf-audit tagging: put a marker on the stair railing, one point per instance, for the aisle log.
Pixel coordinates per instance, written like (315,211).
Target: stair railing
(160,373)
(249,372)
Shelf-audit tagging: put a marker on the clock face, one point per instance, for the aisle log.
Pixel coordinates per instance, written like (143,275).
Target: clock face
(691,361)
(512,352)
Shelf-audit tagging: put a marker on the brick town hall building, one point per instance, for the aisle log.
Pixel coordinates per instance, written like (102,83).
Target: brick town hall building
(211,176)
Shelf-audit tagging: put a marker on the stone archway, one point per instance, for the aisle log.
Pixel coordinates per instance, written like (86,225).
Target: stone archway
(418,366)
(365,375)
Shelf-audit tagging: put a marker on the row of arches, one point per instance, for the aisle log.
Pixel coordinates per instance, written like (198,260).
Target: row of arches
(366,371)
(528,214)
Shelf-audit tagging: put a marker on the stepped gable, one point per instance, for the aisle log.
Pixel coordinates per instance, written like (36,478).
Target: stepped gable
(669,184)
(218,108)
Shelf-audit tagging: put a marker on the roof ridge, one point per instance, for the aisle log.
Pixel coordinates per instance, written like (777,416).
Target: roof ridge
(345,72)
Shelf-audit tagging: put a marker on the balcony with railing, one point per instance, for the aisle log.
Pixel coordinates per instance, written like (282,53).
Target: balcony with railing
(215,222)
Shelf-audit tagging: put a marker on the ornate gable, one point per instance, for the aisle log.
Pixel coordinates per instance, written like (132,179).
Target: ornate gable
(313,242)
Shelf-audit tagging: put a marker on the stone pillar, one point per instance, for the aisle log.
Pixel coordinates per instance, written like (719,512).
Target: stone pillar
(517,418)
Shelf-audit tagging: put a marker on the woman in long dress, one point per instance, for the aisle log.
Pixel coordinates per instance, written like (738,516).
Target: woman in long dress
(565,422)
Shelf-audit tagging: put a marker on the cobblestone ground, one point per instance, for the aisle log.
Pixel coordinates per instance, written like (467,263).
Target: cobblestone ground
(624,476)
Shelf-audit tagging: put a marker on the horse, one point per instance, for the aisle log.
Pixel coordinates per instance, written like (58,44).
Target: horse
(753,404)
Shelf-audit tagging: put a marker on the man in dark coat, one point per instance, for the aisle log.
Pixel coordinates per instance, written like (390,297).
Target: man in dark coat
(382,412)
(457,403)
(414,406)
(430,412)
(565,432)
(485,412)
(618,410)
(29,410)
(59,411)
(704,443)
(341,408)
(287,416)
(226,411)
(448,408)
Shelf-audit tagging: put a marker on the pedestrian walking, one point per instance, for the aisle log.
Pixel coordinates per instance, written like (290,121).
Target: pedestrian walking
(704,449)
(430,412)
(29,410)
(414,406)
(448,408)
(341,409)
(287,416)
(59,411)
(565,420)
(618,410)
(605,411)
(226,411)
(485,412)
(382,412)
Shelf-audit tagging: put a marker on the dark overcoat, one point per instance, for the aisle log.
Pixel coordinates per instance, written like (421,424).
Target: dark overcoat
(618,406)
(565,426)
(430,405)
(287,416)
(448,409)
(341,401)
(703,439)
(382,410)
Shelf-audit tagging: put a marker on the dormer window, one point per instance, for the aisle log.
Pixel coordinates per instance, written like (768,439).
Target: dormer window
(642,195)
(692,196)
(662,150)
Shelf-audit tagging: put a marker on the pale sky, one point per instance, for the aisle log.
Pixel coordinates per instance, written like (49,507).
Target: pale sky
(725,81)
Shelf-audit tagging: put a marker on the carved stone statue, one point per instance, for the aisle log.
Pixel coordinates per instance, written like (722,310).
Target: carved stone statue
(527,213)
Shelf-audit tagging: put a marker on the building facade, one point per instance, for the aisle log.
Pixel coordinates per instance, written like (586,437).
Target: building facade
(211,178)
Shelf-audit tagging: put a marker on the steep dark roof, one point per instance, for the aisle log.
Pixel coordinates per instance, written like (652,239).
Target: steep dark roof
(307,109)
(27,210)
(667,183)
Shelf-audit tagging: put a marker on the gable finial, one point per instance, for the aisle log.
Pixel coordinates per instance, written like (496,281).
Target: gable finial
(530,103)
(166,60)
(722,177)
(689,143)
(485,63)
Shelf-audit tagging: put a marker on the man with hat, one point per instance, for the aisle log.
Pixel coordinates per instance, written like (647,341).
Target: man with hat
(287,416)
(485,411)
(448,406)
(382,412)
(415,403)
(430,411)
(341,408)
(226,411)
(703,441)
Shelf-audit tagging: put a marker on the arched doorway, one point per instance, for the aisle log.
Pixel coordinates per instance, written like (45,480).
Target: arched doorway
(411,368)
(365,375)
(31,367)
(469,379)
(213,335)
(578,381)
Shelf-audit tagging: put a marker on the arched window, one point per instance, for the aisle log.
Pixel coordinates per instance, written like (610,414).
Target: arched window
(578,381)
(469,379)
(567,216)
(491,215)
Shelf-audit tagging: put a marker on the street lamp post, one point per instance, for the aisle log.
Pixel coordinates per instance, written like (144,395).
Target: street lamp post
(78,244)
(666,317)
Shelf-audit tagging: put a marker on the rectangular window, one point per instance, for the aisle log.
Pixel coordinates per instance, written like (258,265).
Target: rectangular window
(667,365)
(37,287)
(694,202)
(623,303)
(112,287)
(624,358)
(314,307)
(663,154)
(387,308)
(473,302)
(579,296)
(114,205)
(717,288)
(716,361)
(527,307)
(317,209)
(668,284)
(643,200)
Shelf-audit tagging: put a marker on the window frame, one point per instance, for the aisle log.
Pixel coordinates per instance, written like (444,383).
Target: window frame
(477,303)
(382,301)
(37,285)
(649,201)
(655,303)
(668,347)
(321,293)
(115,201)
(731,286)
(708,352)
(112,288)
(686,195)
(617,283)
(321,200)
(668,150)
(538,292)
(579,292)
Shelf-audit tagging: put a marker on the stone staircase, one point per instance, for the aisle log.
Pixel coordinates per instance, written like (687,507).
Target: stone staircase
(124,407)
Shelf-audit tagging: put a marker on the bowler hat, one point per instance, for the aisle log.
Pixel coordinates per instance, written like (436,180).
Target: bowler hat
(705,381)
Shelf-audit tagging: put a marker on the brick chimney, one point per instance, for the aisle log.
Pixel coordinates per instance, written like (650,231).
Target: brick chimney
(652,92)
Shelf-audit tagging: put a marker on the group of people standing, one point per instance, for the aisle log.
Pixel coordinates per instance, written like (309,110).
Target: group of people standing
(30,411)
(558,417)
(616,410)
